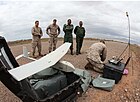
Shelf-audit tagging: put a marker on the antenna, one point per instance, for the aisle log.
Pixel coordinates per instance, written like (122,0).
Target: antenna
(128,40)
(128,45)
(129,31)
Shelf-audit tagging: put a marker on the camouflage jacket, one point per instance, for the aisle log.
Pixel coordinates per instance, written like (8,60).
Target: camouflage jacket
(53,30)
(79,31)
(96,52)
(37,33)
(68,30)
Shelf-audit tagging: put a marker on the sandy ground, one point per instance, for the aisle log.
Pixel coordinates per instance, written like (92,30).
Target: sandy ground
(127,90)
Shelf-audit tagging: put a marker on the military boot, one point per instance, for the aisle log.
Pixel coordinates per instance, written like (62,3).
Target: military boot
(33,55)
(88,66)
(77,53)
(71,52)
(54,48)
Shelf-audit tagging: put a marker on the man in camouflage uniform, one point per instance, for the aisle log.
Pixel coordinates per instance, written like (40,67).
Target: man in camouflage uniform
(36,38)
(80,33)
(53,31)
(96,54)
(68,37)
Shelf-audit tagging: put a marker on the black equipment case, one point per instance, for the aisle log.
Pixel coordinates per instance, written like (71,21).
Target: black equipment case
(25,91)
(113,71)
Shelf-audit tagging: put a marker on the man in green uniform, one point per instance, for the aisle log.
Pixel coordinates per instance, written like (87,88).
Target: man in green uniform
(36,38)
(80,33)
(68,28)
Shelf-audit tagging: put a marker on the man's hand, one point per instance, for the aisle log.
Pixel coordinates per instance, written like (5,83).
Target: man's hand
(40,35)
(57,34)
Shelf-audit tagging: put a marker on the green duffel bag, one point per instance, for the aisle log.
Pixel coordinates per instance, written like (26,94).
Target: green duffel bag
(50,86)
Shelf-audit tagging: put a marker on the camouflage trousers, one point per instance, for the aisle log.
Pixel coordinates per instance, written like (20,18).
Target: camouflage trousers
(36,44)
(52,43)
(96,66)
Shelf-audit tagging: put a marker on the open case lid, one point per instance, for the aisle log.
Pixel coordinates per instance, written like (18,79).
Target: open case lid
(7,61)
(6,53)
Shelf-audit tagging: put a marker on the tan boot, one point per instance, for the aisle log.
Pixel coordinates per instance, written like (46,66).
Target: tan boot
(33,55)
(40,55)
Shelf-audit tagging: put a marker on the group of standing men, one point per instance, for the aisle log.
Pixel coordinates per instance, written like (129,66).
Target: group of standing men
(95,55)
(53,30)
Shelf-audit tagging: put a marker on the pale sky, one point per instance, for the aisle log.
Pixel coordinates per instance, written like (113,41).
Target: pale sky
(102,19)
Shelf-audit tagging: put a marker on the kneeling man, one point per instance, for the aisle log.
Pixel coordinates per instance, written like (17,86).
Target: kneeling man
(96,54)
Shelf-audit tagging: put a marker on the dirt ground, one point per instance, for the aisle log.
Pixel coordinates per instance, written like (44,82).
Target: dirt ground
(127,90)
